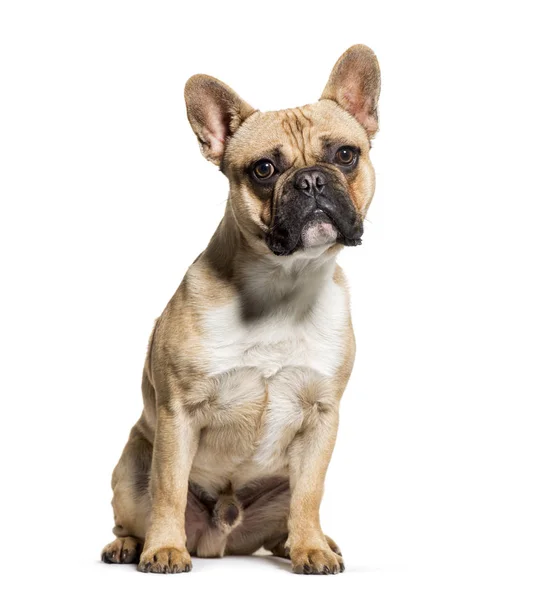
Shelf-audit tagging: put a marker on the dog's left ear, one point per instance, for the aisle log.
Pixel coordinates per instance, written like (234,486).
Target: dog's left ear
(215,112)
(354,84)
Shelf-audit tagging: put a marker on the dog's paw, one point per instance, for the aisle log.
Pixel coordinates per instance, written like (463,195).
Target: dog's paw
(122,550)
(333,545)
(319,561)
(282,550)
(165,560)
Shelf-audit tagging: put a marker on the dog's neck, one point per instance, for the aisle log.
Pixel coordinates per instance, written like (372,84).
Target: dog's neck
(267,283)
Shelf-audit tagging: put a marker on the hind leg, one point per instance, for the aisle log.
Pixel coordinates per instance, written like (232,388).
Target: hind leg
(122,550)
(264,517)
(278,547)
(131,500)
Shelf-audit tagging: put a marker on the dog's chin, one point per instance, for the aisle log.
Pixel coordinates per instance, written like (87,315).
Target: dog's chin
(318,233)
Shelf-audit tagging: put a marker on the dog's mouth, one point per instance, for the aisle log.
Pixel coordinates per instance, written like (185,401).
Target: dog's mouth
(321,230)
(315,226)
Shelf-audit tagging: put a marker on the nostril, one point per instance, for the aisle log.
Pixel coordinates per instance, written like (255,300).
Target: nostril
(320,181)
(303,182)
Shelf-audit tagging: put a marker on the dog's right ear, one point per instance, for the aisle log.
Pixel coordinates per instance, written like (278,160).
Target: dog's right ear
(215,112)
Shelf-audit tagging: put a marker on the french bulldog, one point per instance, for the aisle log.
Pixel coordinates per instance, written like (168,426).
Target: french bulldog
(247,364)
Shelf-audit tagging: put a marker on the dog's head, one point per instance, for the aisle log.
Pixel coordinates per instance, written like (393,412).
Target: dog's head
(299,178)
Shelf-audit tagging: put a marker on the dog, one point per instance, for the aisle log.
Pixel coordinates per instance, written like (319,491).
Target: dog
(247,364)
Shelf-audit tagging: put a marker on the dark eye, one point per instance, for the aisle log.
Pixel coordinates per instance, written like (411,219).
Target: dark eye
(346,156)
(263,169)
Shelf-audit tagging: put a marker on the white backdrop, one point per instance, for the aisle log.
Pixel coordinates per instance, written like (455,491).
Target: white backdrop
(106,200)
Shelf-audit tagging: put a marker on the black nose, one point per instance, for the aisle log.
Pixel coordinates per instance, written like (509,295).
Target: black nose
(310,181)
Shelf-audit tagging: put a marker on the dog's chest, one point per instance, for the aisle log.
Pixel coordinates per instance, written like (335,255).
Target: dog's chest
(261,373)
(311,341)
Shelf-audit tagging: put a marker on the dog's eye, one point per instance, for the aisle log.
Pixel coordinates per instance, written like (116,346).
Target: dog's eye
(346,156)
(263,169)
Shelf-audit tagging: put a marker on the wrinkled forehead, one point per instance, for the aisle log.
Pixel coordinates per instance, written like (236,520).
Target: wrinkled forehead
(300,136)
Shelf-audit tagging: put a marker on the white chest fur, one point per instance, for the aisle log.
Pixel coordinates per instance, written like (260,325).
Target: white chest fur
(263,367)
(312,341)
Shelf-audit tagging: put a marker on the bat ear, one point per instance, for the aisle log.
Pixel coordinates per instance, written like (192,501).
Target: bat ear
(354,84)
(215,112)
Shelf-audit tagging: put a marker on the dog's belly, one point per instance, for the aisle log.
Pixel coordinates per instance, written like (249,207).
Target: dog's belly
(252,423)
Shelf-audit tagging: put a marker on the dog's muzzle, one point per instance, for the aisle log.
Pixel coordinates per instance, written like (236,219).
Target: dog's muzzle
(313,208)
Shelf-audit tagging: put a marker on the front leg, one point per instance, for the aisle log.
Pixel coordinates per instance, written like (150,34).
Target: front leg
(309,457)
(175,444)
